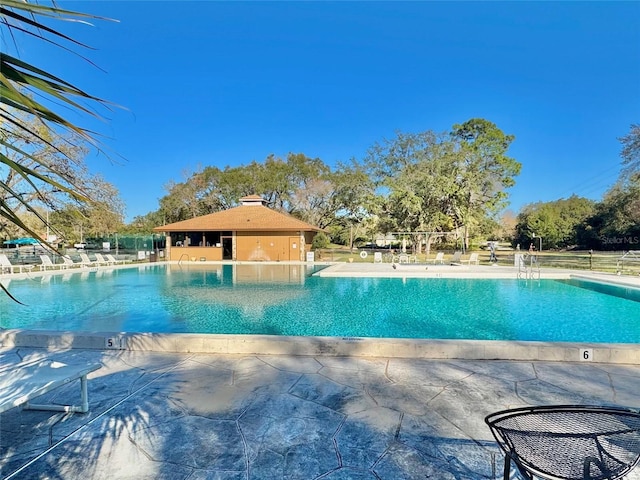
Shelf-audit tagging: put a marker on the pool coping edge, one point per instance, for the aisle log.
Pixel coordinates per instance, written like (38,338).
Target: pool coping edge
(612,353)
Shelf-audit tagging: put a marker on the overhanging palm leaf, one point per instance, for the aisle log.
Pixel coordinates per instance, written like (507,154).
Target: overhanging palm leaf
(4,289)
(20,83)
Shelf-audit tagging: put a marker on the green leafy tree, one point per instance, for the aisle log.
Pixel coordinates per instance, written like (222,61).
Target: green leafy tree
(183,200)
(483,171)
(435,183)
(279,181)
(283,178)
(413,172)
(144,224)
(615,225)
(299,185)
(235,183)
(353,201)
(321,240)
(417,202)
(559,223)
(334,198)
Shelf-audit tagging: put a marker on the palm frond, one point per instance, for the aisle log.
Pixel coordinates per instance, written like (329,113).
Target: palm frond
(4,289)
(25,92)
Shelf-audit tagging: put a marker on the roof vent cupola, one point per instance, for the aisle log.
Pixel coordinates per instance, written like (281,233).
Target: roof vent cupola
(252,201)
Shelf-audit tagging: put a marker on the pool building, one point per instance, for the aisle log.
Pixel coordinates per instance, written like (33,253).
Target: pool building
(249,232)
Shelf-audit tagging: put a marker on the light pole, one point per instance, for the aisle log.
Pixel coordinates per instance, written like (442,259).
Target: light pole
(77,228)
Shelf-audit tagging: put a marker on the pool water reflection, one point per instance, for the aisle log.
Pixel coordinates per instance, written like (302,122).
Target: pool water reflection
(288,300)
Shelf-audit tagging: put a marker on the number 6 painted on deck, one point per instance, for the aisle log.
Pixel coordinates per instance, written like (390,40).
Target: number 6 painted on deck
(586,354)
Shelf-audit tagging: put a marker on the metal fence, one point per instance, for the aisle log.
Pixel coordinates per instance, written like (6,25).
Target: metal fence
(123,247)
(612,262)
(128,244)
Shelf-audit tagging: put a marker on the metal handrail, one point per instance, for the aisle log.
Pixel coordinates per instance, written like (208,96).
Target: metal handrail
(180,259)
(529,271)
(629,256)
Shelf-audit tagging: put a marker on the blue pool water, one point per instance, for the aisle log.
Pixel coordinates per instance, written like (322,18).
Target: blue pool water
(286,300)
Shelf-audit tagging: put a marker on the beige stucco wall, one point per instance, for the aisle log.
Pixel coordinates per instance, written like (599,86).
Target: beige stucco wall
(211,254)
(250,246)
(269,246)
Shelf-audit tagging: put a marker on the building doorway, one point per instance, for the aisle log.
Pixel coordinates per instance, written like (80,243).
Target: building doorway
(227,248)
(294,248)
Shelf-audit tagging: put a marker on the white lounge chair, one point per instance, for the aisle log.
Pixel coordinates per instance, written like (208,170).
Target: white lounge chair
(377,257)
(47,263)
(101,260)
(113,259)
(27,380)
(455,260)
(70,263)
(87,262)
(7,266)
(439,258)
(473,258)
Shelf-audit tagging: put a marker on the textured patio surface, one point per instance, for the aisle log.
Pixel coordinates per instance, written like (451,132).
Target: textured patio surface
(196,416)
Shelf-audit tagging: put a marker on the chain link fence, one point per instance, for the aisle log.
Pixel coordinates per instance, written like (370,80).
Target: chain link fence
(123,247)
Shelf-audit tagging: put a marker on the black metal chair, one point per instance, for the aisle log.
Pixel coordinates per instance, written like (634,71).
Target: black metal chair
(568,442)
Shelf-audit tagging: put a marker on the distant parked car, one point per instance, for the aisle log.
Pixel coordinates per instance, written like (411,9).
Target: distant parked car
(80,246)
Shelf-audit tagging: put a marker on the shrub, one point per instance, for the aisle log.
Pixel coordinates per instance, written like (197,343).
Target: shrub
(321,240)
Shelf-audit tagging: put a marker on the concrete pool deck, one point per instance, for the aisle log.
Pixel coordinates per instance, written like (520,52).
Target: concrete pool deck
(201,416)
(417,270)
(256,407)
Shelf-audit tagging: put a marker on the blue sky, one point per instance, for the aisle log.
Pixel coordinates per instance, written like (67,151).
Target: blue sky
(225,83)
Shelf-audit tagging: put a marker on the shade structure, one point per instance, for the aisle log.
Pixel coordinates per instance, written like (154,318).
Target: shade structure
(21,241)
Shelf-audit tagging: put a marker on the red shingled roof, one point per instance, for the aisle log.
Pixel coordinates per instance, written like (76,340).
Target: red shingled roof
(242,218)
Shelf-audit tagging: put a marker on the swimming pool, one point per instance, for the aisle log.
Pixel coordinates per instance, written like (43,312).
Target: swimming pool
(287,300)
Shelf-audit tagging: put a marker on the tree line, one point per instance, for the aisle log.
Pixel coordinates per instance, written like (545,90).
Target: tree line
(422,186)
(419,184)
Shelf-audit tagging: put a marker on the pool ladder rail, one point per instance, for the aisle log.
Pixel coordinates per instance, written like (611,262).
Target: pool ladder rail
(630,258)
(528,267)
(181,257)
